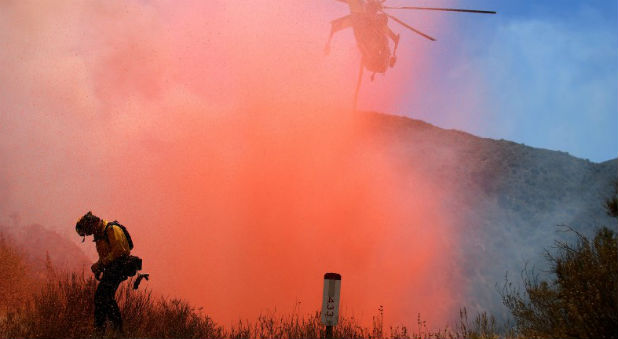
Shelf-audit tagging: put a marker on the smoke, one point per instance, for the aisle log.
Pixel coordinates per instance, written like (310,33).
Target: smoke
(222,137)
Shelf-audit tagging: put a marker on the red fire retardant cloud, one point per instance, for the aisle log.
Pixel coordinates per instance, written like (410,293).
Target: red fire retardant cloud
(220,134)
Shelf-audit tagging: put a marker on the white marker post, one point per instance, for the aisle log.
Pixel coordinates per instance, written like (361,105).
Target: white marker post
(330,302)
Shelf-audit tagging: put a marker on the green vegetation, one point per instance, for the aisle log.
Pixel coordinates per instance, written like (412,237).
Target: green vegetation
(581,300)
(611,204)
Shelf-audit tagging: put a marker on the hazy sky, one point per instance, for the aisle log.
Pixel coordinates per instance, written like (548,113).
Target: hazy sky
(542,73)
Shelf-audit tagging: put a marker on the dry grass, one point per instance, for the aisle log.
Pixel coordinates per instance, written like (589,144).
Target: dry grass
(63,308)
(60,305)
(15,279)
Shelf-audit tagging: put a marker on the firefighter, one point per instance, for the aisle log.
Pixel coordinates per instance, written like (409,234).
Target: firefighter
(113,249)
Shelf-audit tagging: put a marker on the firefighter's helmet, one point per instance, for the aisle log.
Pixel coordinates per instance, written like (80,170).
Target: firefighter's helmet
(85,225)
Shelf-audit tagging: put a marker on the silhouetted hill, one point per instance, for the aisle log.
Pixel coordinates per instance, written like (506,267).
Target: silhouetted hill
(508,200)
(36,241)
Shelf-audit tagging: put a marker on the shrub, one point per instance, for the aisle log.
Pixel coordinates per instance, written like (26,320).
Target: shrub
(581,301)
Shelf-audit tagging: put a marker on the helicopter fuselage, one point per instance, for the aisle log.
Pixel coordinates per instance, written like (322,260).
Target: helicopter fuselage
(369,21)
(370,31)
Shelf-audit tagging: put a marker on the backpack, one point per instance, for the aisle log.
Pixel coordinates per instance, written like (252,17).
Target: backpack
(131,264)
(124,230)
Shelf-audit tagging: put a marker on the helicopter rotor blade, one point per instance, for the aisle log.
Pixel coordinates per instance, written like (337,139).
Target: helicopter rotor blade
(410,27)
(442,9)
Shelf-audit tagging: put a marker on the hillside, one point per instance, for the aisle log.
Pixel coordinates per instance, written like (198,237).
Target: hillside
(508,198)
(36,242)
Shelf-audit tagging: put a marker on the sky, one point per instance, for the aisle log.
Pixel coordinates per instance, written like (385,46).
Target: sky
(222,136)
(541,73)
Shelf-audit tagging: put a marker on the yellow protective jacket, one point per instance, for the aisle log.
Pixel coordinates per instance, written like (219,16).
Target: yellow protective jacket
(117,246)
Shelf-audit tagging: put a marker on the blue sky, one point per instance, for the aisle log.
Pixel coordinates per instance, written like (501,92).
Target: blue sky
(542,73)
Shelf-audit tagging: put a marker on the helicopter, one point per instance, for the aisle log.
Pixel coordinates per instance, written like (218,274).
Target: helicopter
(369,21)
